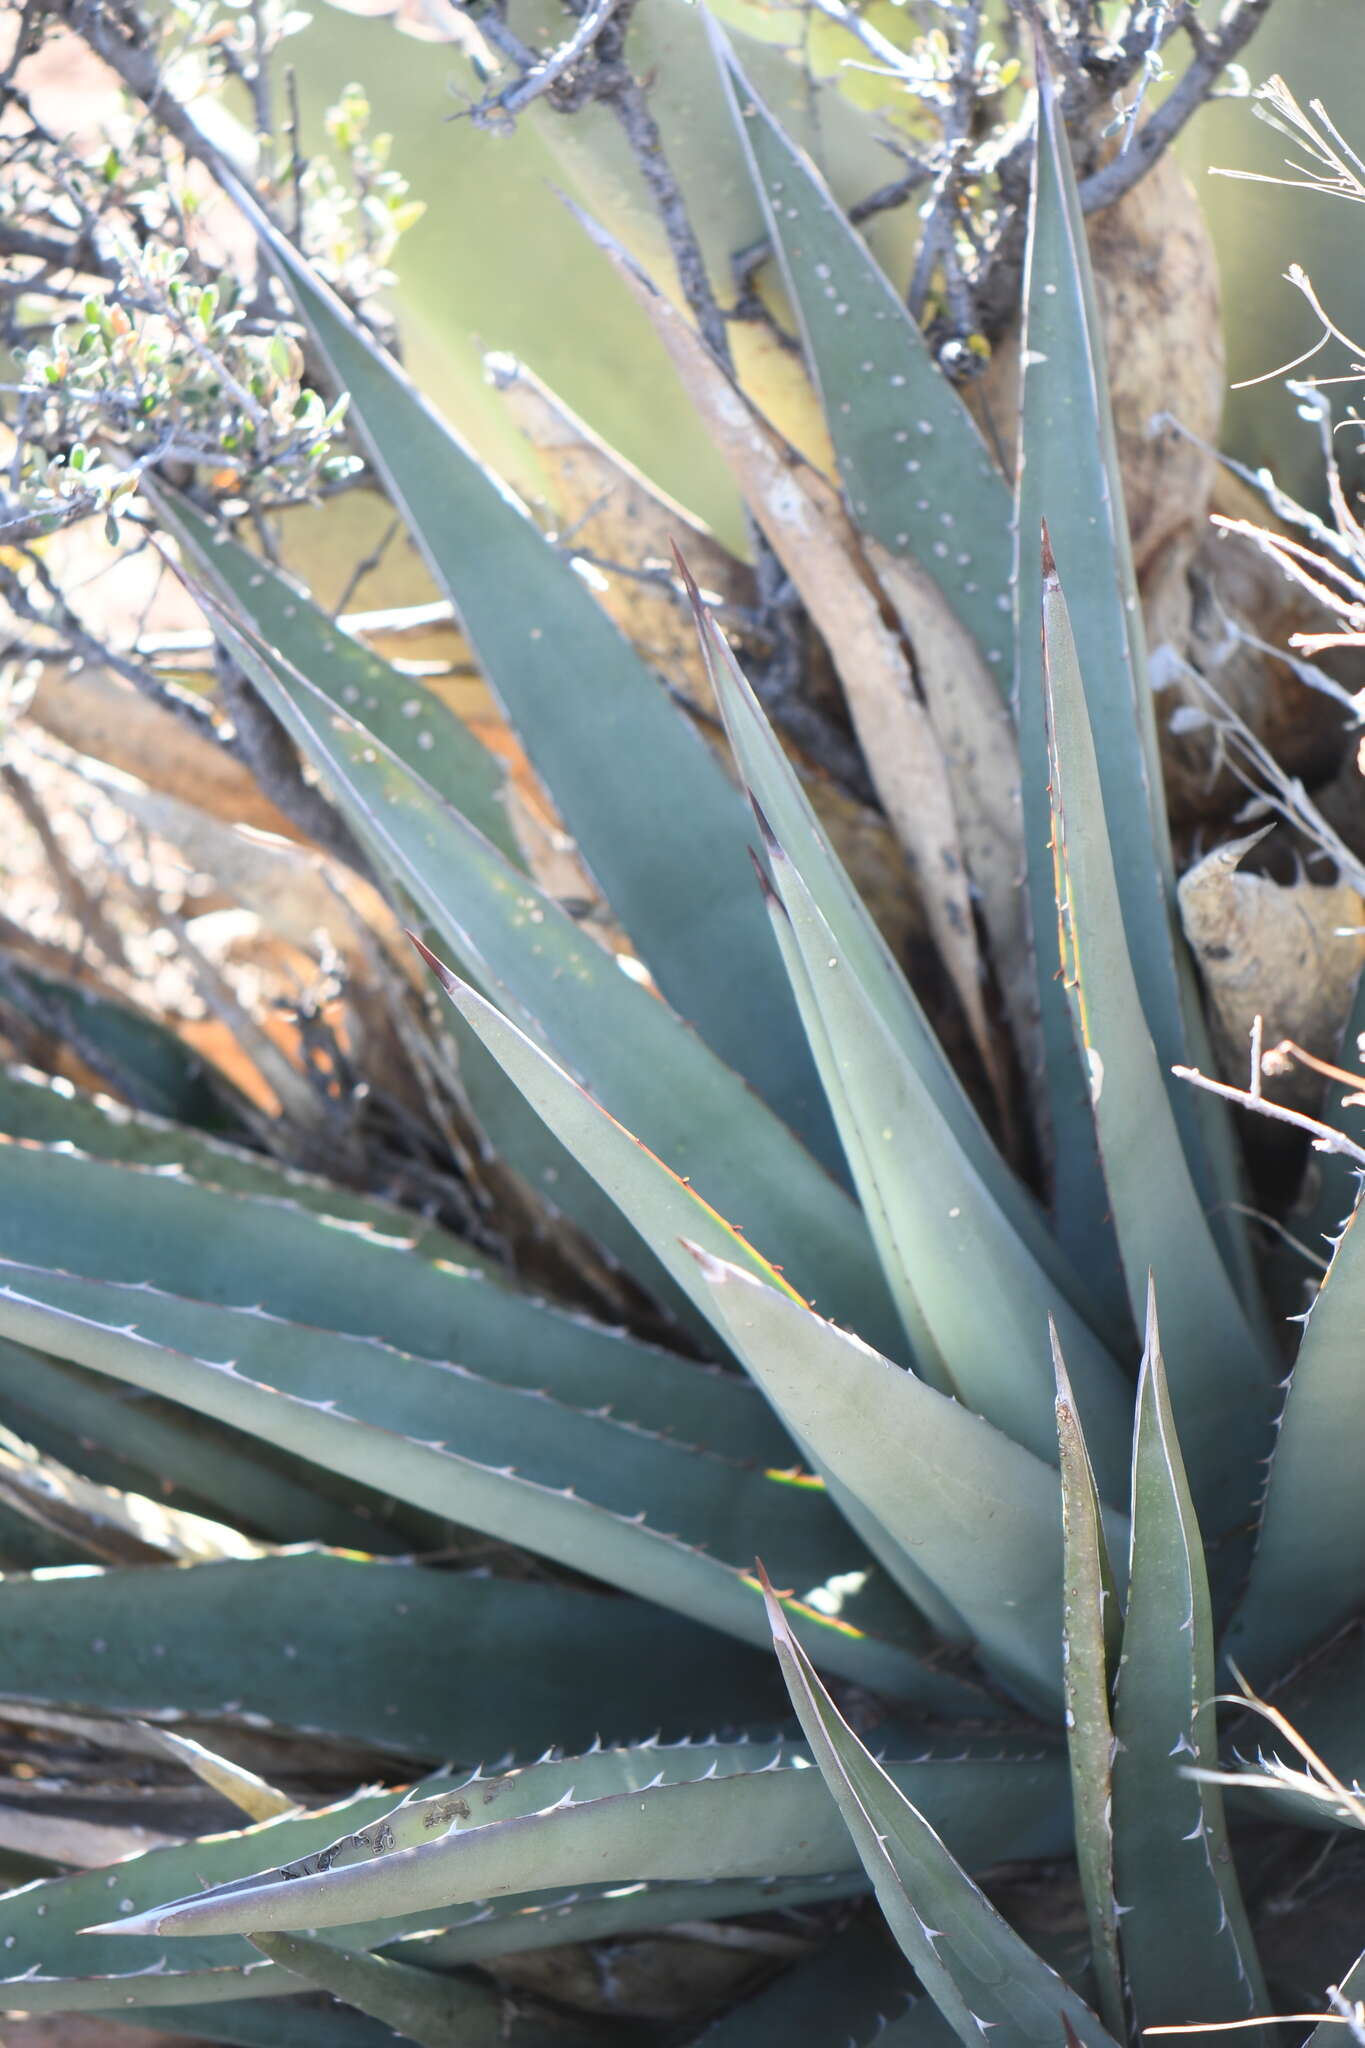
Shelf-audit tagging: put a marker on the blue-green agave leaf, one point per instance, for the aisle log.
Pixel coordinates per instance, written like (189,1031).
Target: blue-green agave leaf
(1187,1948)
(1220,1369)
(1092,1623)
(259,1641)
(776,792)
(152,1447)
(701,1812)
(979,1973)
(947,1248)
(406,717)
(51,1112)
(419,2005)
(184,1238)
(975,1511)
(613,1033)
(510,1461)
(1309,1561)
(917,475)
(588,711)
(1068,475)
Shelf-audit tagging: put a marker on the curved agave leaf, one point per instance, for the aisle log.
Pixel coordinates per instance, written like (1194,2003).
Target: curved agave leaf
(1068,475)
(152,1447)
(619,1815)
(926,1467)
(666,1210)
(533,623)
(408,719)
(1187,1948)
(349,1404)
(1221,1373)
(258,1641)
(962,1267)
(421,2006)
(138,1225)
(914,467)
(168,1980)
(46,1112)
(136,1054)
(1310,1554)
(979,1973)
(856,1991)
(292,2023)
(611,1031)
(776,792)
(1092,1622)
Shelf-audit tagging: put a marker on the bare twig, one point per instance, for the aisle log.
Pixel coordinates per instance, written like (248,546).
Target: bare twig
(1213,53)
(1325,1139)
(500,109)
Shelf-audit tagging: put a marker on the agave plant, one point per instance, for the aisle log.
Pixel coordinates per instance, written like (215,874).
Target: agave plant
(988,1474)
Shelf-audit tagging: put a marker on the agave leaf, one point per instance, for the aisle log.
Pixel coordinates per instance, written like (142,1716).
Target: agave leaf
(46,1112)
(906,445)
(1092,1623)
(804,522)
(949,1251)
(925,1466)
(932,509)
(244,1789)
(283,2023)
(510,1924)
(1068,475)
(50,1965)
(533,623)
(417,2004)
(1310,1552)
(857,1990)
(180,1237)
(571,1485)
(1352,1988)
(517,1922)
(978,1972)
(219,1642)
(1220,1369)
(1187,1949)
(150,1447)
(666,1209)
(612,1032)
(776,791)
(133,1053)
(622,1815)
(409,719)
